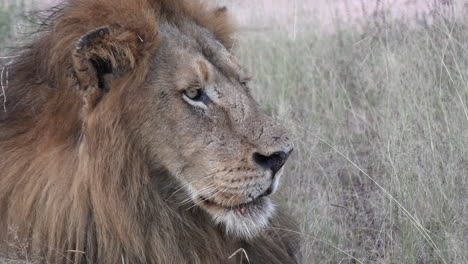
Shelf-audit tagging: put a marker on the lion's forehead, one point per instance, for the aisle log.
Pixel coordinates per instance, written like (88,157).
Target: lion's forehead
(195,46)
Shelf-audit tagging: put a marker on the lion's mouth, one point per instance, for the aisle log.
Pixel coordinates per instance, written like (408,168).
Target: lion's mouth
(244,219)
(243,209)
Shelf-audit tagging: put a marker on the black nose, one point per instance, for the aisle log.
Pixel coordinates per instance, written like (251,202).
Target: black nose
(274,161)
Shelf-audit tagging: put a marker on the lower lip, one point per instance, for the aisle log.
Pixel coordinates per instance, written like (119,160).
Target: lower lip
(242,209)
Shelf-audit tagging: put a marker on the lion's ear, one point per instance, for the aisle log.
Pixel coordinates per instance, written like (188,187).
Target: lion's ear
(220,11)
(109,50)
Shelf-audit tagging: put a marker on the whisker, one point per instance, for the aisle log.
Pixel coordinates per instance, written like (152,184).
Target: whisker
(187,184)
(206,193)
(209,197)
(237,195)
(190,197)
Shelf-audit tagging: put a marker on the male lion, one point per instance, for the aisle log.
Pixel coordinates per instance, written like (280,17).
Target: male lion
(129,135)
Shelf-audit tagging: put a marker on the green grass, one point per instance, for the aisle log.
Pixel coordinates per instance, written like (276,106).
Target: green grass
(380,121)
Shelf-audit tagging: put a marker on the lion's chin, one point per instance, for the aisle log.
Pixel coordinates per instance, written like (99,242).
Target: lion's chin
(243,221)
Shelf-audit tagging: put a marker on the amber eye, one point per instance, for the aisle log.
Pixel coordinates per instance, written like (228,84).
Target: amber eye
(245,82)
(193,93)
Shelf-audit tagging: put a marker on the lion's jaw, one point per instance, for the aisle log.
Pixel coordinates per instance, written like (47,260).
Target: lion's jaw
(246,225)
(242,219)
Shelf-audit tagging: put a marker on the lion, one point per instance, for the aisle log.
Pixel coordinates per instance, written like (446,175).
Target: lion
(129,135)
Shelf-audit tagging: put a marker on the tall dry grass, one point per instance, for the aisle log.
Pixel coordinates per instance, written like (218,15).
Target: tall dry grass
(379,110)
(378,106)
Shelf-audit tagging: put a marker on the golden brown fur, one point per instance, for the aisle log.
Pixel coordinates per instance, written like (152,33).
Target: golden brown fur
(75,183)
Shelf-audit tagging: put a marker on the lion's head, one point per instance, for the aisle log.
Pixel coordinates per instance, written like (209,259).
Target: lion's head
(202,124)
(195,116)
(124,106)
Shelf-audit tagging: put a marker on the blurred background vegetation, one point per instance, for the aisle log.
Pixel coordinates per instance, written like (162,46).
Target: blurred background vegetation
(13,14)
(376,96)
(378,106)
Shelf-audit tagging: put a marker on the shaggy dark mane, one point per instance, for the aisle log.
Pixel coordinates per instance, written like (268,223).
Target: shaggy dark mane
(84,194)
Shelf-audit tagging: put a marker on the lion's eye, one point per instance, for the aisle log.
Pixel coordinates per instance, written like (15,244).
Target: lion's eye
(245,82)
(196,97)
(193,93)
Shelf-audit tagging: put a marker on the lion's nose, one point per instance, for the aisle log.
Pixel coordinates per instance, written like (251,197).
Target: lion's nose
(274,162)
